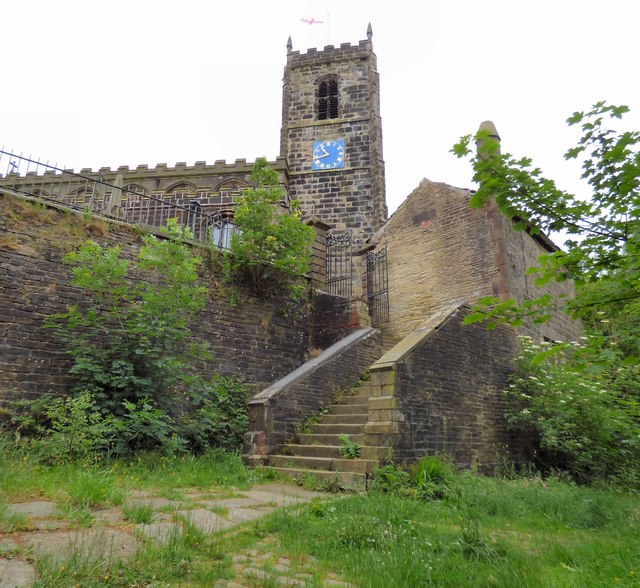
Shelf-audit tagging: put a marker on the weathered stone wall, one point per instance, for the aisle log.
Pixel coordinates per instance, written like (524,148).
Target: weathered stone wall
(255,339)
(522,252)
(441,390)
(352,197)
(439,250)
(275,412)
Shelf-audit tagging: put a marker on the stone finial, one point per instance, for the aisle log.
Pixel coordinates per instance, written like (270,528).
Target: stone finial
(369,32)
(289,45)
(488,127)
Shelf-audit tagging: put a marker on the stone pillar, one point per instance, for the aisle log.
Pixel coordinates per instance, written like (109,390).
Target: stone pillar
(318,269)
(115,201)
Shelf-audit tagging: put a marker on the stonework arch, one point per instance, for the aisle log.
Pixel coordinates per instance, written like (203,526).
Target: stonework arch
(181,189)
(233,185)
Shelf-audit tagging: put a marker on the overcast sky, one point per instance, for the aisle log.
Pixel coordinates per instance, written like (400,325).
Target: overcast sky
(94,83)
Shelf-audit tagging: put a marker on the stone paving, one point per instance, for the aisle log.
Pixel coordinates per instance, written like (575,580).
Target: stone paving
(47,534)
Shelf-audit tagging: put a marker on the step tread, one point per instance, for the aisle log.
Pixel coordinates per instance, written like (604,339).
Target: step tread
(345,480)
(334,438)
(339,428)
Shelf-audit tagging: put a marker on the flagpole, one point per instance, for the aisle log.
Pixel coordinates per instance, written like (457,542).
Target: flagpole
(328,30)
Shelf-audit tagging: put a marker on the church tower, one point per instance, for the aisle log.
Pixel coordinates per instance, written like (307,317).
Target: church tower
(332,135)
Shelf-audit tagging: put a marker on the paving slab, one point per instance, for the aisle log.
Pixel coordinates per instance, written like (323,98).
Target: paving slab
(241,515)
(205,520)
(90,544)
(160,532)
(38,509)
(16,573)
(288,490)
(277,499)
(8,546)
(229,502)
(154,502)
(109,516)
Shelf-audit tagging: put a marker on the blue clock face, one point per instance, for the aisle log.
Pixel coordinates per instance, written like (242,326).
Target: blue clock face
(328,154)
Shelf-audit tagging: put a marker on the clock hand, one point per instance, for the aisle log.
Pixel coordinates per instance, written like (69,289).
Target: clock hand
(324,155)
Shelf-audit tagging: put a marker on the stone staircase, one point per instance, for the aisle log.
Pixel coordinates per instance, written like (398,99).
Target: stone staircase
(317,451)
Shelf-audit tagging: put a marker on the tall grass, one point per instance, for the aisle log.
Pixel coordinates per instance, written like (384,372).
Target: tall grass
(487,532)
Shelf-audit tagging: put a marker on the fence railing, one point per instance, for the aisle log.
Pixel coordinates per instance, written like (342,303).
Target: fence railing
(32,178)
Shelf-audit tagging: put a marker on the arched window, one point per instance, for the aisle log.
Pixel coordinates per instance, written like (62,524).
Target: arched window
(328,98)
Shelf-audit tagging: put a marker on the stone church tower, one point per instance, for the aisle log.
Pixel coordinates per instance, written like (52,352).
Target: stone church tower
(332,135)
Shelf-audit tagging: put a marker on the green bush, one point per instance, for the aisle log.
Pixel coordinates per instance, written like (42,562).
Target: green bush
(271,251)
(57,430)
(134,360)
(432,477)
(581,422)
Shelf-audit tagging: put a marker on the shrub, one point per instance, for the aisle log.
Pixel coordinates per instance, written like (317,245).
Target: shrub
(271,250)
(581,424)
(64,429)
(134,359)
(432,478)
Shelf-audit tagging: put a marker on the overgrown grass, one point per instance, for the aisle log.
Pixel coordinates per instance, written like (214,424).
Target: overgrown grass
(488,532)
(94,484)
(459,530)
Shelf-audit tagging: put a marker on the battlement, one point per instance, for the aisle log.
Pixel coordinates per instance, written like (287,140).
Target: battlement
(219,167)
(330,53)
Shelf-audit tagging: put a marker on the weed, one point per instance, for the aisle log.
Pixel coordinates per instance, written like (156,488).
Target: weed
(139,513)
(431,477)
(91,488)
(349,449)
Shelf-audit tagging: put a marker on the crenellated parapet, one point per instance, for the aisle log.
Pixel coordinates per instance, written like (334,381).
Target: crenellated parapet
(213,185)
(330,53)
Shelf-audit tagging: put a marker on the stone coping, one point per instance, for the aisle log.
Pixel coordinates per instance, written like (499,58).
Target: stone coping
(313,365)
(405,347)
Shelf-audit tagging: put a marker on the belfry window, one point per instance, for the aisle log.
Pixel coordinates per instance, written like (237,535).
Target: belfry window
(328,99)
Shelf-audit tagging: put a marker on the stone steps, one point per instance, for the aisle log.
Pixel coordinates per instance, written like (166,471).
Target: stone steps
(318,453)
(344,480)
(332,451)
(346,419)
(359,466)
(327,438)
(351,408)
(339,428)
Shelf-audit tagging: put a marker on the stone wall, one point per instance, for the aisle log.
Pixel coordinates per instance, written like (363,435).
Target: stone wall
(522,252)
(275,412)
(258,340)
(440,390)
(439,250)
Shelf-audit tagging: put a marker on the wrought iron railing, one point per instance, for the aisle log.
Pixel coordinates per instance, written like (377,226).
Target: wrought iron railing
(43,181)
(340,264)
(377,285)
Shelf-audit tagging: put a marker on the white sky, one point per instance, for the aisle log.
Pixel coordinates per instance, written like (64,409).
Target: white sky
(94,83)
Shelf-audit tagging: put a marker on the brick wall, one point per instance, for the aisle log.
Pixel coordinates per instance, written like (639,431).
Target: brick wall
(440,390)
(255,339)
